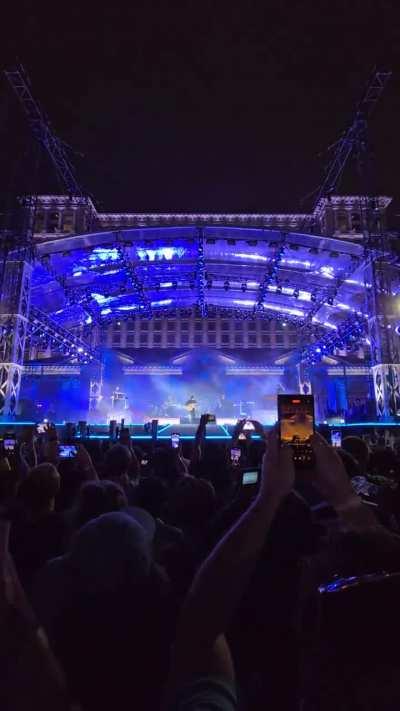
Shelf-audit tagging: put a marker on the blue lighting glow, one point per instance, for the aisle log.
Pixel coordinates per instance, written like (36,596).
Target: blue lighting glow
(255,257)
(296,262)
(167,253)
(104,254)
(244,302)
(163,302)
(285,309)
(100,298)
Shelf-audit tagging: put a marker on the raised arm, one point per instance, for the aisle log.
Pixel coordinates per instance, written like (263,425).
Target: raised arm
(331,480)
(222,579)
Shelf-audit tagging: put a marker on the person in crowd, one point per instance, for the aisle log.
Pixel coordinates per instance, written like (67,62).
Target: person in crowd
(38,532)
(122,467)
(107,603)
(96,498)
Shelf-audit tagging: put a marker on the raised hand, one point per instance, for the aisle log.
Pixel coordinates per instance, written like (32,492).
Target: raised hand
(330,476)
(278,472)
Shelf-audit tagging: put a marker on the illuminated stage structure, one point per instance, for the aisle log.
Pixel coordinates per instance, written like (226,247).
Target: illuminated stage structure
(230,308)
(274,308)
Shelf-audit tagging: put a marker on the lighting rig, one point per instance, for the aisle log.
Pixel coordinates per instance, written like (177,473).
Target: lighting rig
(44,331)
(138,287)
(201,275)
(348,334)
(270,274)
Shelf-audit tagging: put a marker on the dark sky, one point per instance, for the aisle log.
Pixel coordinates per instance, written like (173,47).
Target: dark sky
(205,105)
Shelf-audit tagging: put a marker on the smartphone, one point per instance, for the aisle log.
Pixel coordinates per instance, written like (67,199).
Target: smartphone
(235,455)
(175,438)
(248,425)
(144,462)
(242,436)
(250,477)
(211,419)
(67,451)
(9,443)
(42,427)
(296,426)
(336,438)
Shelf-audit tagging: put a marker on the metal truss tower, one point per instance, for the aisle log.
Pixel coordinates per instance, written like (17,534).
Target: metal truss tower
(385,367)
(18,250)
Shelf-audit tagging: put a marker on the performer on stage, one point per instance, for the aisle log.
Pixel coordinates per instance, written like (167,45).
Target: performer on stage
(191,405)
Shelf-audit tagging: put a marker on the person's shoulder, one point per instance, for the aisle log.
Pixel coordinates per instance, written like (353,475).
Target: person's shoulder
(204,693)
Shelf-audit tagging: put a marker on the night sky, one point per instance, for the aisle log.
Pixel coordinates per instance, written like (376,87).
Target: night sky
(204,105)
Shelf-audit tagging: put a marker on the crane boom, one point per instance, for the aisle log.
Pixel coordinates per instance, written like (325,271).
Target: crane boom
(353,138)
(42,130)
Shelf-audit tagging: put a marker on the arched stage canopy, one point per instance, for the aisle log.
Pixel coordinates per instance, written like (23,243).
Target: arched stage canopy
(100,276)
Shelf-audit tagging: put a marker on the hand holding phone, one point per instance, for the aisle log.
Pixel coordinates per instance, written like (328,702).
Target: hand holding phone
(235,455)
(211,419)
(250,477)
(175,440)
(336,439)
(296,427)
(67,451)
(9,443)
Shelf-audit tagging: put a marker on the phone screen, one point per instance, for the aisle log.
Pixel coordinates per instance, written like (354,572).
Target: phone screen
(336,439)
(211,419)
(235,455)
(66,451)
(42,427)
(250,477)
(296,425)
(175,440)
(9,444)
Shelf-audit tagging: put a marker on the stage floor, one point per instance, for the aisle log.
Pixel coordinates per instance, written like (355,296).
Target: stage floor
(188,431)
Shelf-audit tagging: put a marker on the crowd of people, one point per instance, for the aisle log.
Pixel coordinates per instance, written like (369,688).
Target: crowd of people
(164,578)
